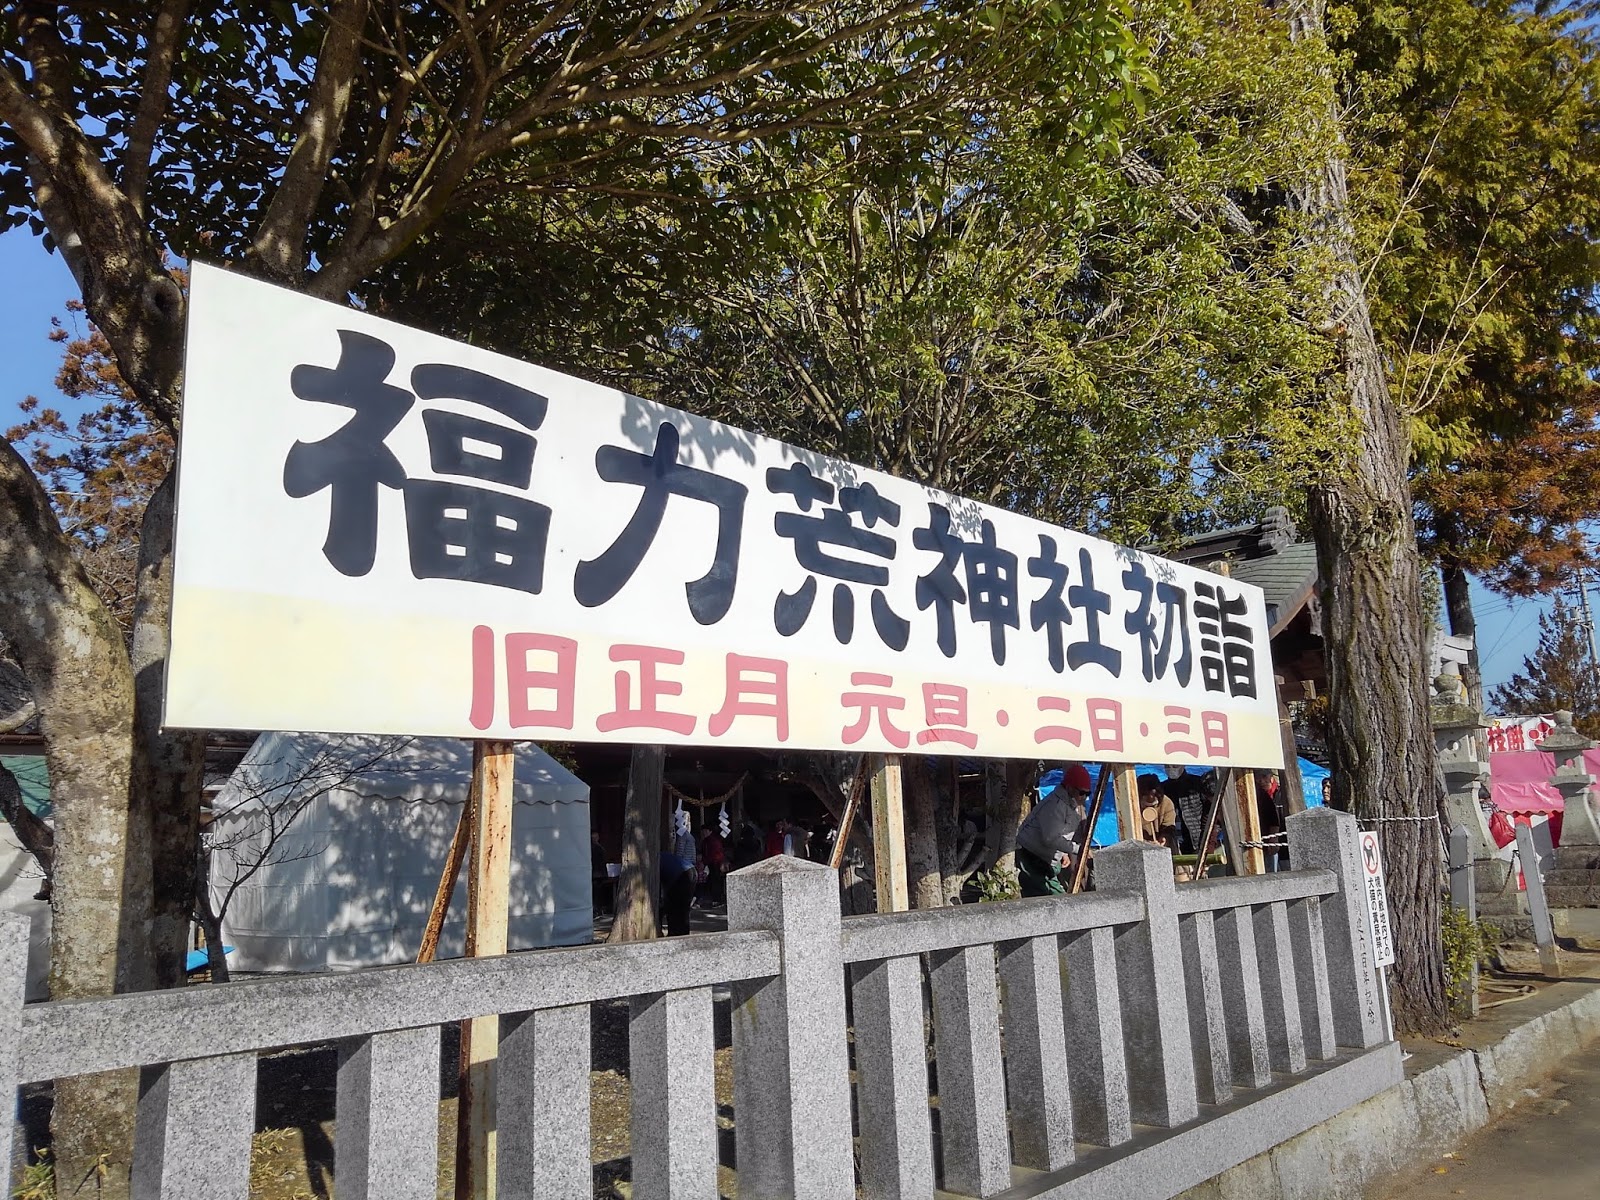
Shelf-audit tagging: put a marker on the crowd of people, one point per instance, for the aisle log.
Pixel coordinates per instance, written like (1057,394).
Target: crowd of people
(1050,842)
(694,868)
(1172,812)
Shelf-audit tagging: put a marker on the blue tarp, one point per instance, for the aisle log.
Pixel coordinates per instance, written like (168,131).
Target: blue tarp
(1105,829)
(1311,777)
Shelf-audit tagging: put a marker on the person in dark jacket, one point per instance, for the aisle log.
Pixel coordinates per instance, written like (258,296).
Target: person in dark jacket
(677,894)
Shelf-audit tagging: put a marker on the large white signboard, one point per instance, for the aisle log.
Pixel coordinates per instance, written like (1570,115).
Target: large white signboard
(1377,900)
(388,532)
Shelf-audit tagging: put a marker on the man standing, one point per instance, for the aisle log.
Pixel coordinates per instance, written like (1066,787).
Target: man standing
(599,874)
(1053,835)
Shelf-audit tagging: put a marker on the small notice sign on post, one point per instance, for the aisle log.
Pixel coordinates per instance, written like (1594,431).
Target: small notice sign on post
(1377,901)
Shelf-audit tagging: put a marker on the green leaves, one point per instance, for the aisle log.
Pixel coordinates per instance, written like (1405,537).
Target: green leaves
(1476,175)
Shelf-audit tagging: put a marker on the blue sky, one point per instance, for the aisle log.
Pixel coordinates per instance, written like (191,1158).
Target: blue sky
(35,285)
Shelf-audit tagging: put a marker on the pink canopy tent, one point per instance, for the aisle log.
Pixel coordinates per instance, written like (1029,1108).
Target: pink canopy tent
(1520,780)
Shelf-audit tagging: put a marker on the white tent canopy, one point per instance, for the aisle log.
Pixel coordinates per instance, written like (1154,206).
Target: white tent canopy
(333,846)
(20,880)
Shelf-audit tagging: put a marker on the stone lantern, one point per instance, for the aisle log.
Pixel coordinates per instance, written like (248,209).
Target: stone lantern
(1573,781)
(1456,725)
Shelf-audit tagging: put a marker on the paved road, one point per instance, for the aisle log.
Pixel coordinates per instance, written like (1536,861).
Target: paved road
(1547,1148)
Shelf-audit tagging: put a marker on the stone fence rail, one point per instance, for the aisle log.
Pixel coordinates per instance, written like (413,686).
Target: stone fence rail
(1133,1041)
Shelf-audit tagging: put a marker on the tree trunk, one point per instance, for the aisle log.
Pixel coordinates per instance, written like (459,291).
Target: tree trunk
(1005,803)
(209,919)
(1380,741)
(167,766)
(75,661)
(924,880)
(1463,623)
(639,884)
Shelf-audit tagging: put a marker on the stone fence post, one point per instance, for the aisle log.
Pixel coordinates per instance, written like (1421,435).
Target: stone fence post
(13,985)
(1322,837)
(1155,1012)
(791,1066)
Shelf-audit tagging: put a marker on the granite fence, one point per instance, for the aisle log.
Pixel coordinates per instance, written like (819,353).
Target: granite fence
(1130,1042)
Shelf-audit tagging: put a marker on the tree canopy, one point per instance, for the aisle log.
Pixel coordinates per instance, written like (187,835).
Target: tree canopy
(1476,132)
(1109,326)
(315,145)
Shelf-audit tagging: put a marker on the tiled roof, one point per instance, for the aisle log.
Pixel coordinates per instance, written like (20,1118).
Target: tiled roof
(1287,577)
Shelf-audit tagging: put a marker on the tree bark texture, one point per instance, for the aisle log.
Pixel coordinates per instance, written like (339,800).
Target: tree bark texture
(73,654)
(924,880)
(639,883)
(167,766)
(1006,797)
(1380,741)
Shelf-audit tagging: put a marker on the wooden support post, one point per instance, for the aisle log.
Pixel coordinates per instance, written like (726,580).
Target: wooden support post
(1127,781)
(1232,827)
(447,884)
(488,914)
(1289,789)
(889,834)
(1255,862)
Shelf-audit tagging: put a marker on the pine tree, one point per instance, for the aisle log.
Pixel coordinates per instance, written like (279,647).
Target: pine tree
(1560,673)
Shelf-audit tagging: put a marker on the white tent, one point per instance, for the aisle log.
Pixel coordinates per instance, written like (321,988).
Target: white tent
(21,877)
(333,846)
(20,880)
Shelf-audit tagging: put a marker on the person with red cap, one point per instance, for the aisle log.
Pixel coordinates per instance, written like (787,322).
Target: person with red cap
(1049,840)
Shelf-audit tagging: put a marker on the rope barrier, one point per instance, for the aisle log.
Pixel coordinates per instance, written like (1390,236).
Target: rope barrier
(705,801)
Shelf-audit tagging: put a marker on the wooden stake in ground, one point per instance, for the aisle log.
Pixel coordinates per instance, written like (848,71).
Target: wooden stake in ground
(1255,862)
(1127,784)
(488,913)
(889,834)
(1232,823)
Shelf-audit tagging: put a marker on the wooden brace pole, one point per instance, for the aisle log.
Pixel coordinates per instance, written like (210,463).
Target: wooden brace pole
(1224,782)
(488,914)
(889,834)
(447,884)
(851,805)
(1080,869)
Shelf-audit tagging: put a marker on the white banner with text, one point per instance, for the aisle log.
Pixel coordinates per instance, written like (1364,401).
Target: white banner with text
(383,531)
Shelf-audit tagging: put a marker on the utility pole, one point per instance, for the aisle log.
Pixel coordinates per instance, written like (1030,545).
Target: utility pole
(1588,620)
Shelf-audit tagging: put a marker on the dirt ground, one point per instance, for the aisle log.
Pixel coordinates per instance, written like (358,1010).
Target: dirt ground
(295,1100)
